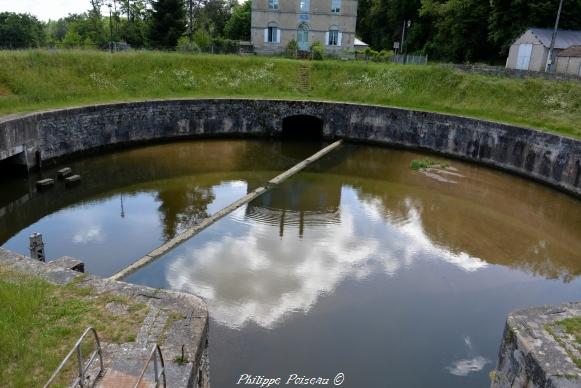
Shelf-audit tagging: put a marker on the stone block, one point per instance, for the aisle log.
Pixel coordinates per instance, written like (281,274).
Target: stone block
(44,184)
(64,172)
(73,180)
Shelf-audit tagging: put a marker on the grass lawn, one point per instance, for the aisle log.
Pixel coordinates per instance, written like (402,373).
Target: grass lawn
(41,79)
(40,322)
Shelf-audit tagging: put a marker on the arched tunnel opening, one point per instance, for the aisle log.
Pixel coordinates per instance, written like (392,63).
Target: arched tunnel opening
(302,127)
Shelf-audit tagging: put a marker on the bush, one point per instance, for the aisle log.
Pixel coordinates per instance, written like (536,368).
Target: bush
(225,46)
(317,51)
(203,39)
(291,48)
(184,45)
(385,55)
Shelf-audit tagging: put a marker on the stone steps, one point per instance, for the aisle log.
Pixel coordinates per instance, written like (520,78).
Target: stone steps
(304,79)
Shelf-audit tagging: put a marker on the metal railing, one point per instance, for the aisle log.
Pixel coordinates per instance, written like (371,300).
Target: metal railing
(154,354)
(82,368)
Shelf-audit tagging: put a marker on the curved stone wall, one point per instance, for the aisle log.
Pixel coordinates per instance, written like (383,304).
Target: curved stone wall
(549,158)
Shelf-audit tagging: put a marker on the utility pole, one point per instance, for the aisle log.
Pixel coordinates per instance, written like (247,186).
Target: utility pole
(408,24)
(110,28)
(191,17)
(116,18)
(553,39)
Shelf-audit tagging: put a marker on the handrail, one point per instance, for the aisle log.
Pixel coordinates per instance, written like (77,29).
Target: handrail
(80,380)
(155,352)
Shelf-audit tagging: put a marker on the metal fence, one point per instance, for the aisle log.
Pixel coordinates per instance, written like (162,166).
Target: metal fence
(410,59)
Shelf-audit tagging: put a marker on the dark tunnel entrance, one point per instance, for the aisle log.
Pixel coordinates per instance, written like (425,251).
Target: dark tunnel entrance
(302,127)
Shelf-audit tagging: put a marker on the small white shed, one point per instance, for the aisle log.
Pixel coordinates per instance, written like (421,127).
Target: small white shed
(531,49)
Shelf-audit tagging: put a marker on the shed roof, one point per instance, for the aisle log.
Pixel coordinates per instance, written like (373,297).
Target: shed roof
(565,38)
(573,51)
(358,42)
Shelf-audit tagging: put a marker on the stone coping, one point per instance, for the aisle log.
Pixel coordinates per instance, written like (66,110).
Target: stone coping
(532,354)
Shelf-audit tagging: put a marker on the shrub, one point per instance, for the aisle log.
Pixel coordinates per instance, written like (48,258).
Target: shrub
(184,45)
(291,48)
(317,51)
(225,46)
(203,39)
(385,55)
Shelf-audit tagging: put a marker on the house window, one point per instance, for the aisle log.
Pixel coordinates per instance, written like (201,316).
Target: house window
(272,34)
(336,6)
(334,37)
(304,5)
(272,4)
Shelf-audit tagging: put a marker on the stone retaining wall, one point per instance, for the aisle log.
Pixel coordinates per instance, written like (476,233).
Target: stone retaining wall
(533,354)
(552,159)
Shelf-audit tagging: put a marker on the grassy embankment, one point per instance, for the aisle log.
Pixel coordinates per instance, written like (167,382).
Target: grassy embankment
(33,80)
(40,322)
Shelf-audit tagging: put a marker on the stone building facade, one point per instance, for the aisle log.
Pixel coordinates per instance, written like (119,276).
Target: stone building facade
(276,22)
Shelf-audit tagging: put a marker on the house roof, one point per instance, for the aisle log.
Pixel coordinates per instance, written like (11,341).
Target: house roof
(358,42)
(565,38)
(573,51)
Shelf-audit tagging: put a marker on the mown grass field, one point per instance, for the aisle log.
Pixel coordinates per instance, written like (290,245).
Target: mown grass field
(41,79)
(40,323)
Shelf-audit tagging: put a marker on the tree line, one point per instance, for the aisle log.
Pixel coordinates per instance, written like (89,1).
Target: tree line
(447,30)
(459,30)
(156,24)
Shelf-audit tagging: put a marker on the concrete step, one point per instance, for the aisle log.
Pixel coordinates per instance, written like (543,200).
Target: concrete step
(72,180)
(64,172)
(44,184)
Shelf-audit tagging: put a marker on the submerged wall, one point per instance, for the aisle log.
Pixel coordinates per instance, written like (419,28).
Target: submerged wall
(549,158)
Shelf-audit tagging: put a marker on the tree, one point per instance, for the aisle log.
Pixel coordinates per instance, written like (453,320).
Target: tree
(211,16)
(168,23)
(134,27)
(18,30)
(461,29)
(238,26)
(380,22)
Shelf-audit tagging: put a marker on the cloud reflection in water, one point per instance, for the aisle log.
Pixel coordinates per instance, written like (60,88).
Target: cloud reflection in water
(250,274)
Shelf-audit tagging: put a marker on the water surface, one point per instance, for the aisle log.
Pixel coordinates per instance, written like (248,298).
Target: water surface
(391,276)
(358,265)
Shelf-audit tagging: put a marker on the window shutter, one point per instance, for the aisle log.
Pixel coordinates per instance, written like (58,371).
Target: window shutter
(339,38)
(278,35)
(265,35)
(327,38)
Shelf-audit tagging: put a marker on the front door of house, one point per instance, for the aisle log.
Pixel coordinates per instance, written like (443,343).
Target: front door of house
(303,37)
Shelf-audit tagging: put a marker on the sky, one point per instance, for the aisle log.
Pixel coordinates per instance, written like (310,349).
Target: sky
(46,9)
